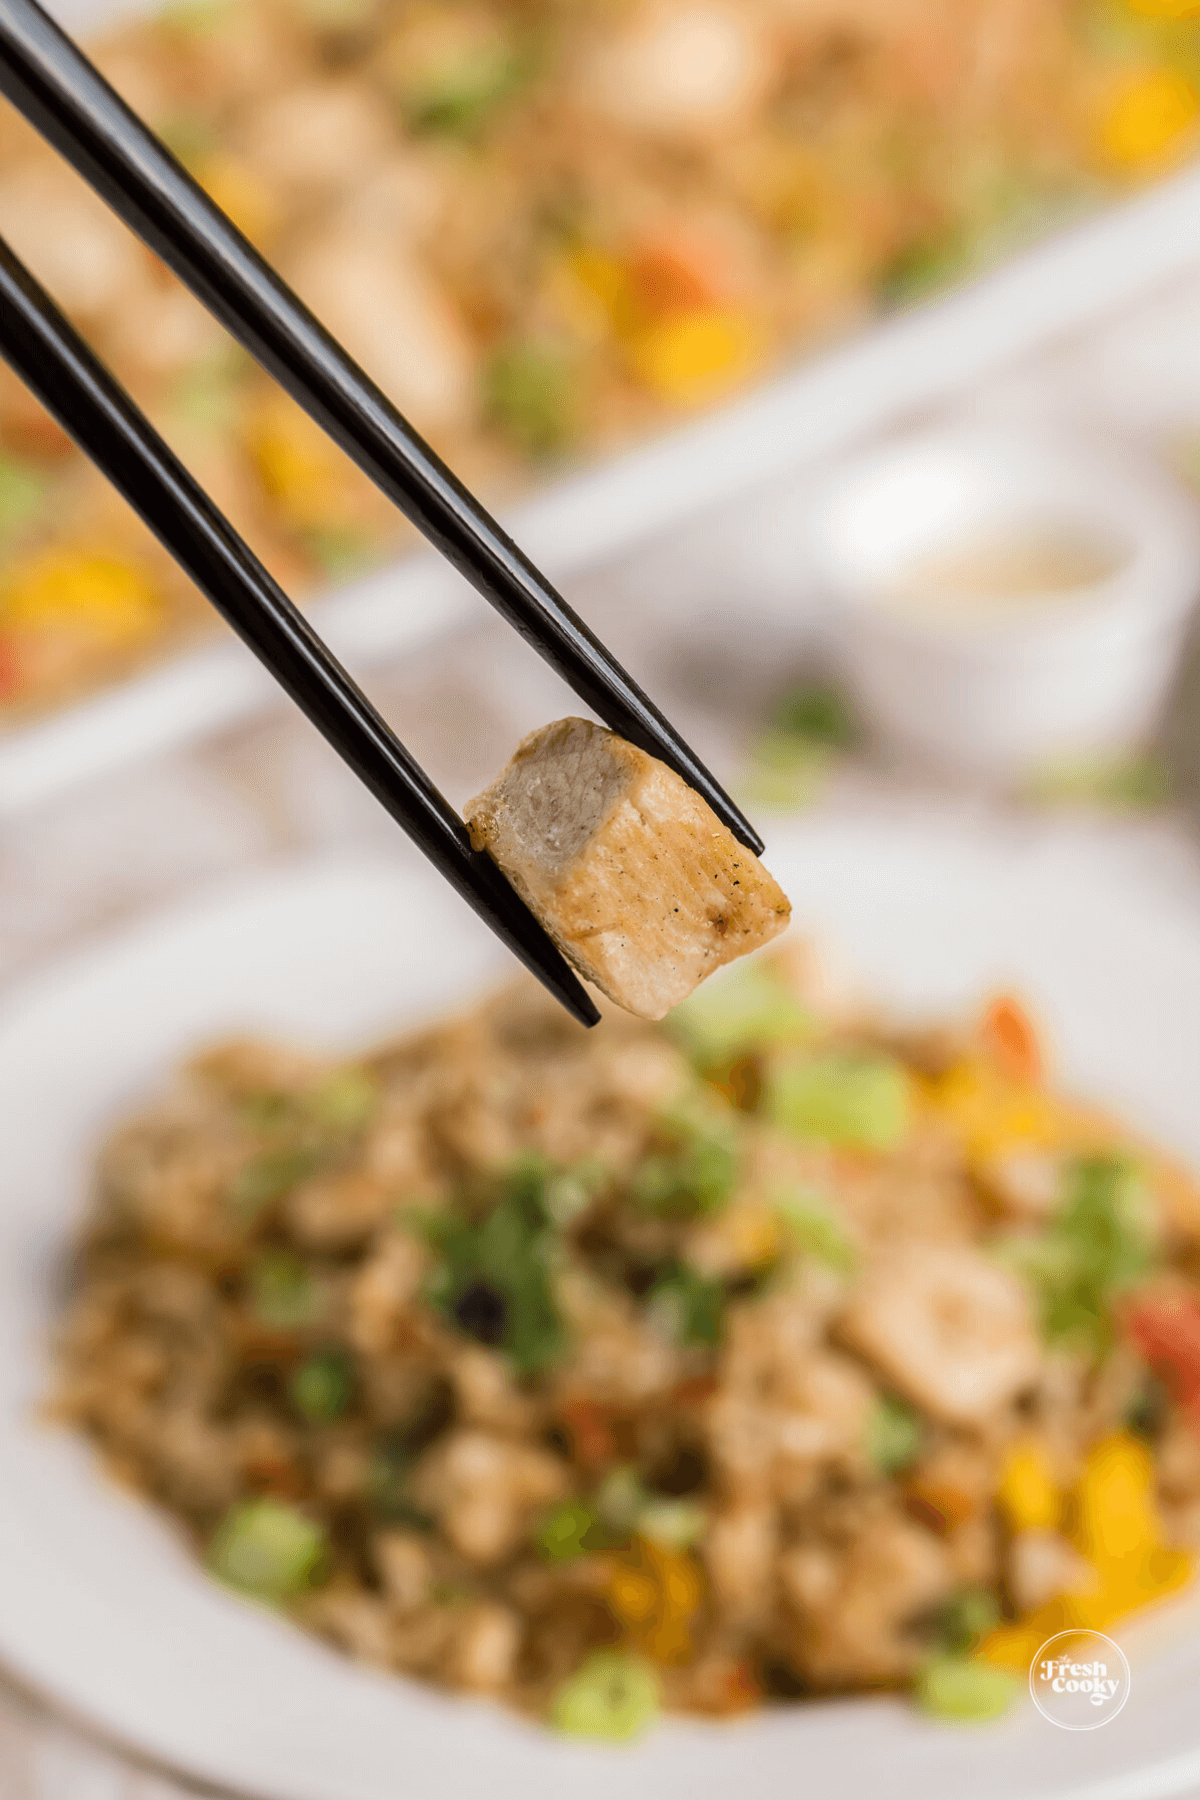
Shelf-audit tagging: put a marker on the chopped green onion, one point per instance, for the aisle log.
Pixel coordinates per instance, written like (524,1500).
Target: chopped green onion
(197,18)
(323,1386)
(337,15)
(619,1500)
(570,1193)
(785,771)
(795,750)
(284,1293)
(571,1530)
(346,1101)
(966,1617)
(816,1232)
(926,264)
(389,1486)
(737,1014)
(893,1436)
(1130,783)
(845,1097)
(530,393)
(673,1524)
(189,136)
(697,1178)
(688,1308)
(958,1687)
(613,1695)
(268,1178)
(338,550)
(819,713)
(460,97)
(209,395)
(266,1548)
(23,493)
(267,1110)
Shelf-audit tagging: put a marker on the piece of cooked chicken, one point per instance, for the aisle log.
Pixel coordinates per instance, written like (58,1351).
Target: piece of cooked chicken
(632,874)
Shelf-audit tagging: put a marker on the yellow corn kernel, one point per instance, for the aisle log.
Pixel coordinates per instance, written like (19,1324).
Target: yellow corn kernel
(1148,121)
(994,1114)
(1114,1515)
(297,464)
(108,600)
(634,1595)
(604,280)
(1012,1647)
(753,1232)
(238,193)
(693,357)
(1114,1523)
(1028,1495)
(655,1593)
(1170,10)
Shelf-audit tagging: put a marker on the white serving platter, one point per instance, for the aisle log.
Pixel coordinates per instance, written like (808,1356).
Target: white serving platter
(101,1606)
(828,401)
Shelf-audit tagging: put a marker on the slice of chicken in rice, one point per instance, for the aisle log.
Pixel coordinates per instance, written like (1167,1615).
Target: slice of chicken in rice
(951,1329)
(632,874)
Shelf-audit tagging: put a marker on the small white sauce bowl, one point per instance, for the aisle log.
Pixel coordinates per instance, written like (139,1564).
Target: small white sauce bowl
(1078,674)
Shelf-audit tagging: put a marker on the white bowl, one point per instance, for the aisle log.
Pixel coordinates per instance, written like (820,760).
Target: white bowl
(1074,675)
(103,1604)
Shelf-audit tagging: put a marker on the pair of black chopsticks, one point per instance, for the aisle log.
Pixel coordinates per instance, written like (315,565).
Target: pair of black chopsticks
(53,84)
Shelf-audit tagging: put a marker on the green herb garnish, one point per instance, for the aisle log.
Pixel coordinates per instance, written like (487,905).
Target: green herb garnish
(459,98)
(530,392)
(346,1101)
(967,1617)
(322,1388)
(697,1167)
(494,1276)
(818,713)
(572,1529)
(815,1232)
(1096,1247)
(24,491)
(689,1307)
(673,1524)
(284,1294)
(269,1177)
(389,1485)
(893,1435)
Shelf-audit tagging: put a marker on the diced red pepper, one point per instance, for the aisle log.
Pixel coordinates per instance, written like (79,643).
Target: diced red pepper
(590,1429)
(1011,1040)
(677,275)
(1166,1330)
(10,673)
(729,1687)
(695,1390)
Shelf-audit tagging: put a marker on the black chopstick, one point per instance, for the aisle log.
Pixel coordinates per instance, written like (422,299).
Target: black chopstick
(50,80)
(54,362)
